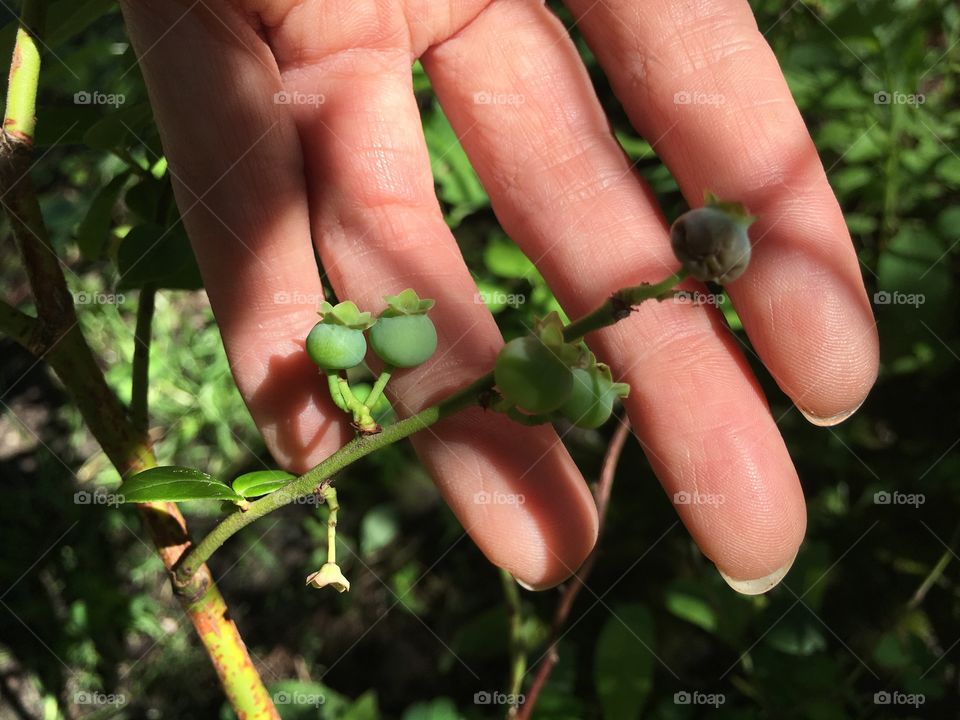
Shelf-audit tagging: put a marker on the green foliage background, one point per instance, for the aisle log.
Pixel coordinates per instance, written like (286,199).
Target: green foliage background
(872,604)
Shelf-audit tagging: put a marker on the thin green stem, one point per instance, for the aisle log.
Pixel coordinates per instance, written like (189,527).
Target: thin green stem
(936,572)
(139,408)
(20,117)
(361,414)
(330,497)
(377,390)
(333,382)
(621,304)
(307,483)
(518,651)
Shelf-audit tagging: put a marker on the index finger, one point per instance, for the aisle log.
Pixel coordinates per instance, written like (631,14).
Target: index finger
(701,79)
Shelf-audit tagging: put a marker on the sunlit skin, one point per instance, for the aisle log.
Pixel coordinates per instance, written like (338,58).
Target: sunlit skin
(262,183)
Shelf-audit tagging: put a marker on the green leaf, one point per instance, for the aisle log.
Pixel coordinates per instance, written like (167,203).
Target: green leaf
(796,637)
(150,254)
(692,609)
(296,700)
(94,231)
(261,482)
(378,529)
(120,129)
(502,257)
(172,483)
(439,709)
(890,651)
(916,293)
(948,170)
(148,198)
(69,18)
(458,184)
(364,708)
(65,125)
(624,661)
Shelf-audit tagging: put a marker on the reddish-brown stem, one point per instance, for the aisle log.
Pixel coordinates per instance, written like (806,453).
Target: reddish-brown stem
(562,612)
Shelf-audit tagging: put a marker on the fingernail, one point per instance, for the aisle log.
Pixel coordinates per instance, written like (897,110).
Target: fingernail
(832,419)
(524,585)
(537,588)
(760,585)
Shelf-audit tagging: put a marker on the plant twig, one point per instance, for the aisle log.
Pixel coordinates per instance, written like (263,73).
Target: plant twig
(20,118)
(562,612)
(57,335)
(139,392)
(936,572)
(359,447)
(619,305)
(517,647)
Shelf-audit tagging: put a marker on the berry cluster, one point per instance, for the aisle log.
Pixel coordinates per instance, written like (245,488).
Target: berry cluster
(541,375)
(402,336)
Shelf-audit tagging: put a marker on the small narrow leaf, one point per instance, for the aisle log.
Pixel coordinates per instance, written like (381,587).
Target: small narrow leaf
(95,228)
(120,128)
(261,482)
(150,254)
(624,662)
(174,484)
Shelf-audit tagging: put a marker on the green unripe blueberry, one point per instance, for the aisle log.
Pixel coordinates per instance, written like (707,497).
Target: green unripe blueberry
(591,400)
(712,243)
(336,347)
(531,376)
(382,411)
(404,336)
(404,341)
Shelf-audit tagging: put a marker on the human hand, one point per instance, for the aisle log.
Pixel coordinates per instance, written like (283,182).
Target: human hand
(286,121)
